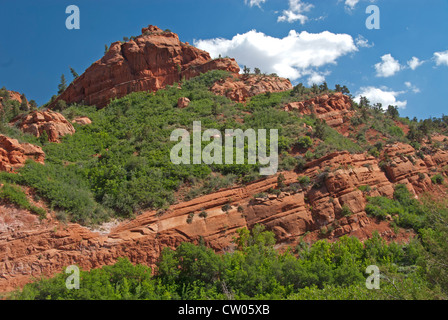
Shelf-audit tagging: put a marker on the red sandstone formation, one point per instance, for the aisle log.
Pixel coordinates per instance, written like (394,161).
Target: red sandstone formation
(149,62)
(240,87)
(13,154)
(36,122)
(334,109)
(302,211)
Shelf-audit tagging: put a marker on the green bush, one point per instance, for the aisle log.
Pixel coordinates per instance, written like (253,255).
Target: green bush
(14,194)
(437,179)
(304,180)
(304,142)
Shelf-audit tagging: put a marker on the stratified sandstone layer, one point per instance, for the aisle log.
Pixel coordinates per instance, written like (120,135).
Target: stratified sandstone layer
(149,62)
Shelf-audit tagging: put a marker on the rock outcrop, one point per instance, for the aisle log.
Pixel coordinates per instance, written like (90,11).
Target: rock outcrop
(404,166)
(12,95)
(240,87)
(36,122)
(148,62)
(13,154)
(183,103)
(335,109)
(82,121)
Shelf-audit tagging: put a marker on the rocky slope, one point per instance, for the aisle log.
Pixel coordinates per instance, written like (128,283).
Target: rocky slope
(36,122)
(43,248)
(149,62)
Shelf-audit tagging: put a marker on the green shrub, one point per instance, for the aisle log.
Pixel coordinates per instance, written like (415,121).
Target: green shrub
(437,179)
(346,212)
(14,194)
(304,180)
(304,142)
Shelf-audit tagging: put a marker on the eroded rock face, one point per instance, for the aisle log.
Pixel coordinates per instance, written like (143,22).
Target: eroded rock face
(36,122)
(241,87)
(405,167)
(149,62)
(334,109)
(13,154)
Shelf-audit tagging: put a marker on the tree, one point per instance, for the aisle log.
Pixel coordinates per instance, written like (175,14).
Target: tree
(74,73)
(298,89)
(364,102)
(106,48)
(345,90)
(323,87)
(338,88)
(246,70)
(60,105)
(320,129)
(33,105)
(24,103)
(63,85)
(392,112)
(257,71)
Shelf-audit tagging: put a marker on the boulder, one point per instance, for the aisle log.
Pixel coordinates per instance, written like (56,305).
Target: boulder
(183,103)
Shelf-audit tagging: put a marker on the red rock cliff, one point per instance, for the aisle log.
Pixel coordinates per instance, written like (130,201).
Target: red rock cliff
(149,62)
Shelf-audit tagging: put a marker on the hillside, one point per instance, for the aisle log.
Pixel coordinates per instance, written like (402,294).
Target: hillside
(96,168)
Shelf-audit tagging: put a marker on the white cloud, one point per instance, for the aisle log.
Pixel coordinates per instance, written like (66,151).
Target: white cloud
(381,95)
(292,57)
(441,58)
(414,63)
(362,42)
(295,12)
(252,3)
(351,3)
(315,77)
(412,87)
(388,67)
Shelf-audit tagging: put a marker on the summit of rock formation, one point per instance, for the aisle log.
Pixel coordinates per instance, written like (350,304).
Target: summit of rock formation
(147,62)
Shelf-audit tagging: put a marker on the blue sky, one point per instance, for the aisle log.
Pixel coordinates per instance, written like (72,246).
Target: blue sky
(305,40)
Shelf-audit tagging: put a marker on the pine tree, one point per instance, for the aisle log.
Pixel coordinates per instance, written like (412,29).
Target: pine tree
(74,73)
(63,85)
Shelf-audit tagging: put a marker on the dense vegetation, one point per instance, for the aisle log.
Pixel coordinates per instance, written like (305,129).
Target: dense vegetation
(255,270)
